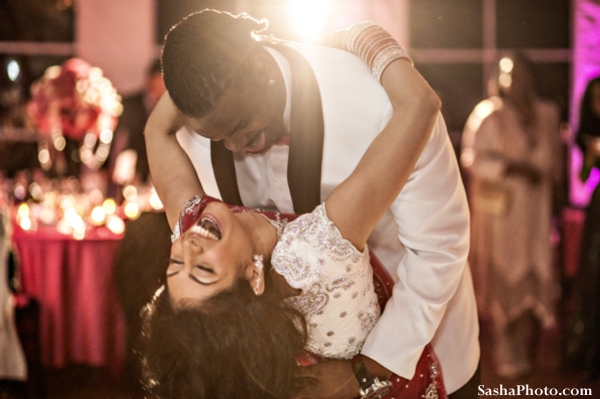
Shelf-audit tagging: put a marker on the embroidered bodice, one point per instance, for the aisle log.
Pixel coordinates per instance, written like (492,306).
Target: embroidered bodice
(338,299)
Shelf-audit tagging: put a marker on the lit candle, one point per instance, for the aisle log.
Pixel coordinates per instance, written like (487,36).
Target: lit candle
(115,224)
(109,206)
(98,215)
(132,211)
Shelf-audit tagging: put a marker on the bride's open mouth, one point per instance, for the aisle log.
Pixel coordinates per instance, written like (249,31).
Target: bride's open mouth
(208,227)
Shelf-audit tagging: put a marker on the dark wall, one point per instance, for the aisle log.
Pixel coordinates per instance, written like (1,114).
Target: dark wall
(458,24)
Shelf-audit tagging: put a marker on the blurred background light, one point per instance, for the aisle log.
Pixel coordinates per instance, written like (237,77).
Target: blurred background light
(505,80)
(110,206)
(506,65)
(309,17)
(13,70)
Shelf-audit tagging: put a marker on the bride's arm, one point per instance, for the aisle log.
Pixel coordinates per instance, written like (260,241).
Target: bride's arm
(356,205)
(173,175)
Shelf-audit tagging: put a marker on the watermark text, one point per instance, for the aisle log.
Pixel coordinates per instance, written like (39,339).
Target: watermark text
(519,390)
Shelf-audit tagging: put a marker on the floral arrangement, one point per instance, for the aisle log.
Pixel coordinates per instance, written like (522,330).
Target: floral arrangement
(74,99)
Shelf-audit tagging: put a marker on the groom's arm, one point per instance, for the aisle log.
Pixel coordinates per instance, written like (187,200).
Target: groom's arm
(335,379)
(432,218)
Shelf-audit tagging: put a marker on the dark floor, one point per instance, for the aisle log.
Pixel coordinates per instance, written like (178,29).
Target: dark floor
(547,372)
(90,383)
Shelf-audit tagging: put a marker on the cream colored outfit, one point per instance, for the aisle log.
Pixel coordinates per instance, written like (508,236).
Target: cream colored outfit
(511,252)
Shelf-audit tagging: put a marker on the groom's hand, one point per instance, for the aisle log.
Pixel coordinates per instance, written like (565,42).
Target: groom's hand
(334,379)
(331,379)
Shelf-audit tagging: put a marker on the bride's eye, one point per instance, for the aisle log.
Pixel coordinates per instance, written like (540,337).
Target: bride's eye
(204,269)
(204,275)
(174,267)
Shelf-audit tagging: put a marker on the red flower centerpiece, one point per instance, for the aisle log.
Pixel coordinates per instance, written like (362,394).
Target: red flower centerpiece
(75,101)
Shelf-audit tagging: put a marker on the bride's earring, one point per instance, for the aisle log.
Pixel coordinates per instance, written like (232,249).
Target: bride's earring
(257,288)
(258,263)
(271,82)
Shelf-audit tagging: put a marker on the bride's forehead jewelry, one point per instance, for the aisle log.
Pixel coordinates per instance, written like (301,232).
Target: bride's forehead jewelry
(258,261)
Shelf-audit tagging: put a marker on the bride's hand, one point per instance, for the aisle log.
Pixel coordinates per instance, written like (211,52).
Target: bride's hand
(332,39)
(173,175)
(165,117)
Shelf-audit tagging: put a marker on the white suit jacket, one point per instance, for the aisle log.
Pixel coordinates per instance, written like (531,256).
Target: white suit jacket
(423,240)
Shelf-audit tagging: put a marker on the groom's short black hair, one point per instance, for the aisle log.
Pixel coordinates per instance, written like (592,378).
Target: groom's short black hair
(205,54)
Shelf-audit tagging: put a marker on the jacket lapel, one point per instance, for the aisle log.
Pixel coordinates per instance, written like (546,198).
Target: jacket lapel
(224,168)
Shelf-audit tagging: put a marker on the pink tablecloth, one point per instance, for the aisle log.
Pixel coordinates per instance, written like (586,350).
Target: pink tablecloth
(80,318)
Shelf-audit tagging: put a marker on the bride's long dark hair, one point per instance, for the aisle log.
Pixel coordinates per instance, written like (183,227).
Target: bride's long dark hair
(231,345)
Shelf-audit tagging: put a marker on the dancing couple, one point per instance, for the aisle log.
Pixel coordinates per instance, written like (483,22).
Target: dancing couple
(260,304)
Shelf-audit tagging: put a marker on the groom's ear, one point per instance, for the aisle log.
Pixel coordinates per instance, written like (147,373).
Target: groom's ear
(262,65)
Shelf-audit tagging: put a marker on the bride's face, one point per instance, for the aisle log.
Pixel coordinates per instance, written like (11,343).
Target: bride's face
(210,256)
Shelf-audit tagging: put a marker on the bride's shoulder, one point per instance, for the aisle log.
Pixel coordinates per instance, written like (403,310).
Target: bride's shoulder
(311,249)
(320,237)
(308,224)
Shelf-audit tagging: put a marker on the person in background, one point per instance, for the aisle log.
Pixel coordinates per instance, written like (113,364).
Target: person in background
(128,162)
(583,334)
(511,158)
(13,363)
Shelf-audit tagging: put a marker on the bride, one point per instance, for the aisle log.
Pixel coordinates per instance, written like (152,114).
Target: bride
(247,291)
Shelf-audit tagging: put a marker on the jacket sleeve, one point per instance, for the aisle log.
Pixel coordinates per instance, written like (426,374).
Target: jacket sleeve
(432,217)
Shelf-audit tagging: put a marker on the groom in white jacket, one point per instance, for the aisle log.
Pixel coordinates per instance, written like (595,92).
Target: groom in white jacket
(265,115)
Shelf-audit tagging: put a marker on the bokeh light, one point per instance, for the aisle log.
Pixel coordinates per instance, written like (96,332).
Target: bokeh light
(110,206)
(115,224)
(98,215)
(132,210)
(506,65)
(309,17)
(155,201)
(13,70)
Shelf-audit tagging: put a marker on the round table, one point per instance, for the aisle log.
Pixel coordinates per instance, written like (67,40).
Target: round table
(81,321)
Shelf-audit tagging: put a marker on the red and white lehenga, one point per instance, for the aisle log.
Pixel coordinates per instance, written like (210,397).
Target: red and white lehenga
(343,291)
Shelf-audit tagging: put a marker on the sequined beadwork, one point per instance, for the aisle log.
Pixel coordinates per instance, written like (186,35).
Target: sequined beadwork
(313,256)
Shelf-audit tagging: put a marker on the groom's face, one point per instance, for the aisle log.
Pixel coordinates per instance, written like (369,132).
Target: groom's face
(249,121)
